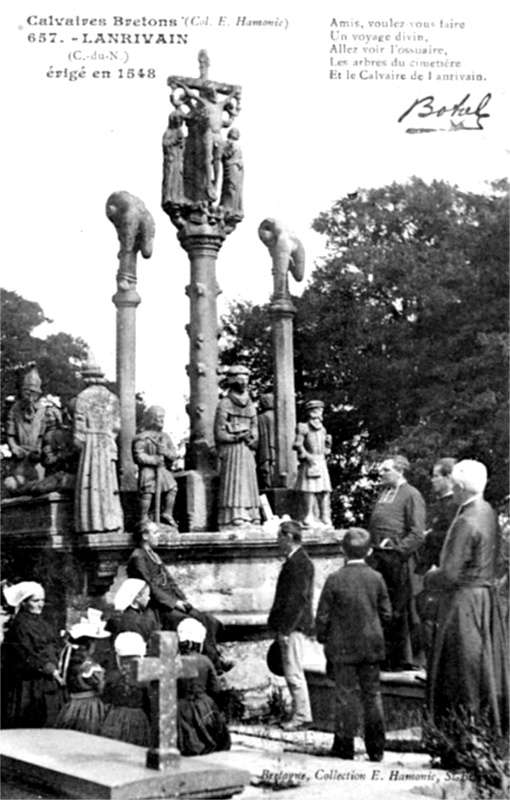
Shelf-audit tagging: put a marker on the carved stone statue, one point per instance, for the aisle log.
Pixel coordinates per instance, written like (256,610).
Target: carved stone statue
(26,424)
(155,454)
(96,424)
(236,436)
(207,107)
(287,253)
(135,229)
(233,176)
(313,444)
(266,450)
(173,156)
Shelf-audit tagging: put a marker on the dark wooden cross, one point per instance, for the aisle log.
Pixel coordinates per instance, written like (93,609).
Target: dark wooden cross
(161,668)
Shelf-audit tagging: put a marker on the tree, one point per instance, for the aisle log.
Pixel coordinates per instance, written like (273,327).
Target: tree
(402,329)
(58,357)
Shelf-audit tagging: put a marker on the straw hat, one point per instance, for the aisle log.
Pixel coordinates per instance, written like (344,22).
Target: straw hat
(91,626)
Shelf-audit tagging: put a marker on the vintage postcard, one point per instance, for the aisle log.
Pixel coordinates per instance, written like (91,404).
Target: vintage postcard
(326,99)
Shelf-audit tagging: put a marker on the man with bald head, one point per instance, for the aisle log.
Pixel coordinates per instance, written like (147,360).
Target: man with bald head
(154,454)
(468,666)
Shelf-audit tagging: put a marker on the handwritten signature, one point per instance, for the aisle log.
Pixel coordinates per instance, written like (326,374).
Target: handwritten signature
(461,116)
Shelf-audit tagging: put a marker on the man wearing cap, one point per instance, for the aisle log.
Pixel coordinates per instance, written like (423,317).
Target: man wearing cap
(154,454)
(312,445)
(26,425)
(291,619)
(468,666)
(236,435)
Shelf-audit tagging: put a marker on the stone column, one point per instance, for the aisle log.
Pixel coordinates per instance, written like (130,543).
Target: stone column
(135,230)
(202,247)
(202,195)
(126,303)
(282,317)
(287,255)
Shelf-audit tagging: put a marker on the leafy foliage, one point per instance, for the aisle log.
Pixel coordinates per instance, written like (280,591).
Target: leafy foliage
(473,746)
(402,331)
(58,357)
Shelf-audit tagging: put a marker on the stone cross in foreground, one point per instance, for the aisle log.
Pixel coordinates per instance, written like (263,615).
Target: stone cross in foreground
(161,668)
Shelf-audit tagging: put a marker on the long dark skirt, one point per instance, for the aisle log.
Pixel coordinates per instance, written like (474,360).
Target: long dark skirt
(127,725)
(83,712)
(30,703)
(201,727)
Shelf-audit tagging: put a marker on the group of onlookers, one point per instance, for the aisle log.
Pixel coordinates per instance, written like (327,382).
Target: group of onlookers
(83,685)
(407,596)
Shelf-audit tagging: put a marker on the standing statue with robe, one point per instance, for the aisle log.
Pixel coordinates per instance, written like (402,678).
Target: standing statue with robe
(236,434)
(96,425)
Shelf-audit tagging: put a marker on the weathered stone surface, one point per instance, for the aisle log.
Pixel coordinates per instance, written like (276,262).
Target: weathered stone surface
(192,189)
(81,766)
(135,230)
(287,255)
(96,425)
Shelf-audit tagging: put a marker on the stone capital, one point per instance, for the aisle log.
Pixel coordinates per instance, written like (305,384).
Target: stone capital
(282,307)
(126,298)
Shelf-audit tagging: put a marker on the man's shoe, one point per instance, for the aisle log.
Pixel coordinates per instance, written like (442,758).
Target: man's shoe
(336,752)
(378,757)
(224,666)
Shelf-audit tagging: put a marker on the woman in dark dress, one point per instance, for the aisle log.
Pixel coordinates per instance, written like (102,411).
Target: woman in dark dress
(127,718)
(32,687)
(85,710)
(201,727)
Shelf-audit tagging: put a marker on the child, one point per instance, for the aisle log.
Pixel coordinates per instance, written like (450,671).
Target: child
(85,710)
(127,716)
(132,601)
(201,727)
(353,607)
(32,687)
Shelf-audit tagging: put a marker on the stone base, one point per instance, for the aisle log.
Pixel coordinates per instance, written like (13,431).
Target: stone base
(403,695)
(76,765)
(196,507)
(283,501)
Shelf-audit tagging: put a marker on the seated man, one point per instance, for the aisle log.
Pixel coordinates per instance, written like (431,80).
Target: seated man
(167,599)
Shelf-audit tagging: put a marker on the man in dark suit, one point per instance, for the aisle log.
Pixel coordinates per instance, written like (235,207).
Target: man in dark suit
(397,529)
(167,598)
(291,619)
(353,607)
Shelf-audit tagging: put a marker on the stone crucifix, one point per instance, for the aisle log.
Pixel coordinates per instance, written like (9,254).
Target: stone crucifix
(160,669)
(205,206)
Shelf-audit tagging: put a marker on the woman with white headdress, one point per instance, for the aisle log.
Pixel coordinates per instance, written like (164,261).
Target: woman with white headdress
(127,718)
(201,727)
(135,613)
(84,711)
(32,687)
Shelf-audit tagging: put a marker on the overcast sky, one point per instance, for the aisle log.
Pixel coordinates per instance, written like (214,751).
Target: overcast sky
(307,140)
